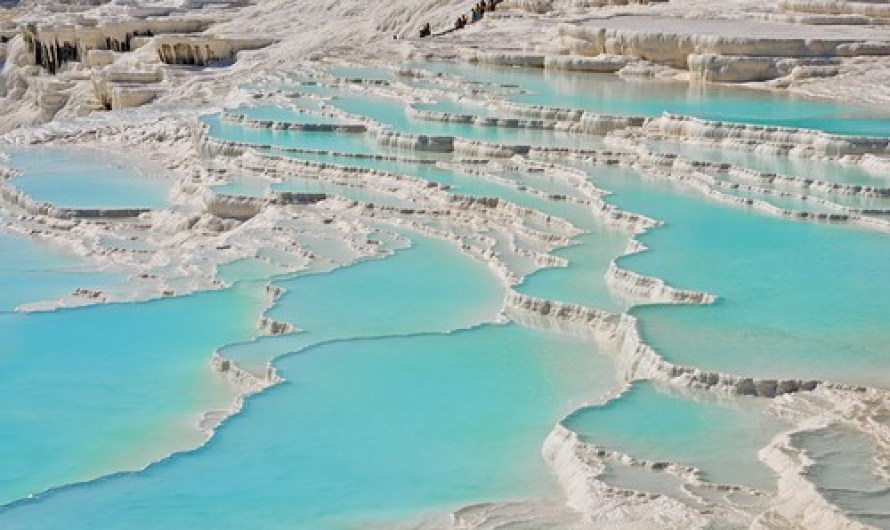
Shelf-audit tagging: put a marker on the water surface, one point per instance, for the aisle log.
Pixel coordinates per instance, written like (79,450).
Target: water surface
(84,178)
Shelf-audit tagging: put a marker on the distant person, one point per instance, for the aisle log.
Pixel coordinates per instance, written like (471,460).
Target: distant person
(426,31)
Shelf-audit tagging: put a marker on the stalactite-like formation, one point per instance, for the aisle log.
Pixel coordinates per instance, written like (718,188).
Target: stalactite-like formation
(202,51)
(53,47)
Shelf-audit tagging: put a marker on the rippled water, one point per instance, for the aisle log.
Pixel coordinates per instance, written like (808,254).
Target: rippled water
(846,471)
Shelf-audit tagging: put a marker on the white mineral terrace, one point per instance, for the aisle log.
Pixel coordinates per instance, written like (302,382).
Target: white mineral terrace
(137,80)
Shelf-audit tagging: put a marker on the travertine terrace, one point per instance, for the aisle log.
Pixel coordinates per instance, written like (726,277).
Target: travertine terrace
(135,78)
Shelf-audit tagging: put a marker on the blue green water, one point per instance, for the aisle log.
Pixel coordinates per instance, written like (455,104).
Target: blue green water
(481,402)
(386,414)
(720,438)
(797,299)
(451,106)
(253,268)
(795,203)
(445,290)
(463,183)
(583,280)
(804,168)
(790,197)
(336,447)
(391,112)
(31,271)
(367,73)
(340,142)
(110,387)
(540,180)
(285,115)
(78,178)
(610,94)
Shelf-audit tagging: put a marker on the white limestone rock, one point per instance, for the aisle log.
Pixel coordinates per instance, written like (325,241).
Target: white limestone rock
(604,64)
